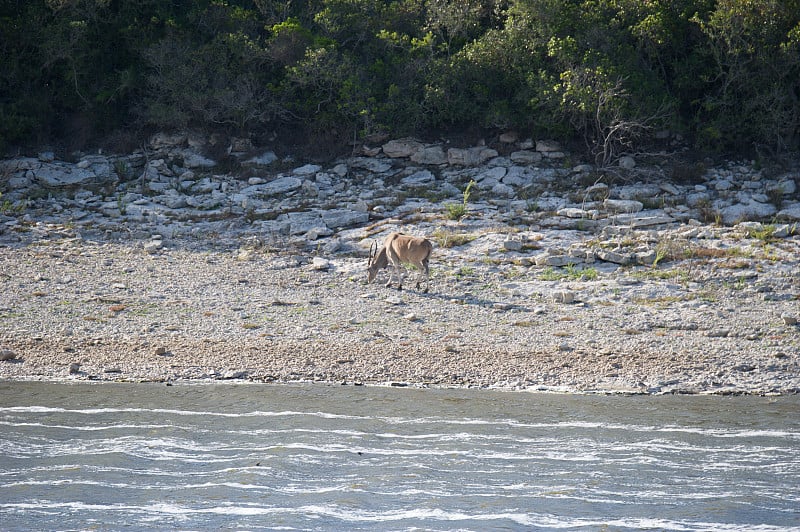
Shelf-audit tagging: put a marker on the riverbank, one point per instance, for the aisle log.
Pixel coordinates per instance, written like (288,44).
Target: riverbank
(76,308)
(590,294)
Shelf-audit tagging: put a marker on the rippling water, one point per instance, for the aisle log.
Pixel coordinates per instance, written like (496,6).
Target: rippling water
(198,457)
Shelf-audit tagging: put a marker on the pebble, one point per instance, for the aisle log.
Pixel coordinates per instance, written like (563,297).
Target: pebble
(564,296)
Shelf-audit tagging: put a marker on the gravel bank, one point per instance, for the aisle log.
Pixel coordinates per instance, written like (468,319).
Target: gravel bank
(82,307)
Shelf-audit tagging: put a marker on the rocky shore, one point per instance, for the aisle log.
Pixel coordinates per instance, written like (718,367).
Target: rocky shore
(547,274)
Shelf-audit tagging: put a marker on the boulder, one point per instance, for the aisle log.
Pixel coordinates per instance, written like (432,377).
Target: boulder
(501,189)
(307,170)
(280,186)
(627,162)
(432,155)
(615,205)
(56,175)
(470,156)
(301,223)
(495,174)
(401,148)
(614,256)
(265,159)
(526,157)
(336,218)
(791,212)
(166,141)
(192,159)
(575,212)
(518,176)
(753,210)
(417,179)
(546,146)
(377,166)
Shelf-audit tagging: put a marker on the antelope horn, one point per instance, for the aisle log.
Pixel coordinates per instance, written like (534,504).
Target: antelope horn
(373,250)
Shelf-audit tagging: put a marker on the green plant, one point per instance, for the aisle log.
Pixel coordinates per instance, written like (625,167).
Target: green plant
(10,208)
(122,205)
(456,211)
(445,238)
(765,233)
(123,170)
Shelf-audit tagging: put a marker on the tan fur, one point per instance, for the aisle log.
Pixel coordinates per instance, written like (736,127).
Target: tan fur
(399,249)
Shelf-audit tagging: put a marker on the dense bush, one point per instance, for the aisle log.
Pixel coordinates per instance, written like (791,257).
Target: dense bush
(612,73)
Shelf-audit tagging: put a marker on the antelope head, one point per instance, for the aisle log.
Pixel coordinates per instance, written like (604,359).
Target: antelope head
(377,261)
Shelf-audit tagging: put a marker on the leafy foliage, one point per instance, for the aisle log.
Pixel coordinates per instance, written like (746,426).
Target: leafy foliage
(725,73)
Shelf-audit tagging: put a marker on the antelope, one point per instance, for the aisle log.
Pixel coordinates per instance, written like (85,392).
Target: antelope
(399,249)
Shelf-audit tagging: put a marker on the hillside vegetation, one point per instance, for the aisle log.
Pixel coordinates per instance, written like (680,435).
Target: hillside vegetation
(612,74)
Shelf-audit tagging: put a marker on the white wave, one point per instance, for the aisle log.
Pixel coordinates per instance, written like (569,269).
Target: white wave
(94,428)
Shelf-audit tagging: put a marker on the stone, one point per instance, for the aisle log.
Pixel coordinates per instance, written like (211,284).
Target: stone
(512,245)
(265,159)
(722,185)
(752,210)
(574,212)
(470,156)
(613,256)
(669,188)
(336,218)
(307,170)
(57,175)
(637,191)
(509,137)
(423,177)
(501,189)
(17,183)
(192,159)
(430,155)
(656,218)
(597,191)
(618,205)
(165,141)
(546,146)
(281,185)
(785,230)
(555,260)
(517,176)
(582,169)
(320,264)
(786,187)
(153,246)
(376,166)
(7,354)
(526,157)
(627,162)
(401,148)
(564,296)
(792,212)
(495,174)
(318,232)
(301,223)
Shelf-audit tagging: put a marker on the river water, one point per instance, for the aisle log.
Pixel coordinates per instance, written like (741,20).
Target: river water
(322,457)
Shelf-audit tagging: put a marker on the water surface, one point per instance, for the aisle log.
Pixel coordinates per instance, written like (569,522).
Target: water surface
(319,457)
